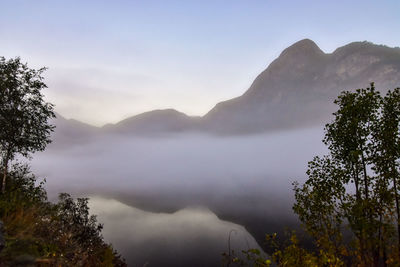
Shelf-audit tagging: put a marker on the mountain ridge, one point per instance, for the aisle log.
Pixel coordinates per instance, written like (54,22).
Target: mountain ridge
(153,122)
(297,89)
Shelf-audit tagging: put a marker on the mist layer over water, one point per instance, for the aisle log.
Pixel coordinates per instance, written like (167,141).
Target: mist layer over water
(243,179)
(182,163)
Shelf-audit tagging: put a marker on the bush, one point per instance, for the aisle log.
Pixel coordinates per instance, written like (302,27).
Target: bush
(36,230)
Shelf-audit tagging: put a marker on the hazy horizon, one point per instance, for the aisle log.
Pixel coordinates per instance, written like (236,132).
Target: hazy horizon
(120,59)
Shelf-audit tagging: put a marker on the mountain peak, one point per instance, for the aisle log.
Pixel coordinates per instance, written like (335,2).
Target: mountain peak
(298,88)
(303,47)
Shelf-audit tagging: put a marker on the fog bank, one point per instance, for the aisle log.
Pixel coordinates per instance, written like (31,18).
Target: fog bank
(182,164)
(246,180)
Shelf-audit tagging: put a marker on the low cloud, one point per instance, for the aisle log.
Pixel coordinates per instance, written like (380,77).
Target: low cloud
(243,179)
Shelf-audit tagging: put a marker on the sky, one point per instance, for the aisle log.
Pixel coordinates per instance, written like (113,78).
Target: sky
(108,60)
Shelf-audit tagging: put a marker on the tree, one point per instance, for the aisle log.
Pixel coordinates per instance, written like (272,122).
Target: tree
(356,187)
(24,115)
(350,203)
(387,150)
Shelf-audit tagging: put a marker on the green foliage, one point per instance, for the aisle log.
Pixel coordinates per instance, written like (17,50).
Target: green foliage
(290,254)
(37,231)
(355,188)
(62,233)
(24,114)
(23,191)
(349,204)
(248,257)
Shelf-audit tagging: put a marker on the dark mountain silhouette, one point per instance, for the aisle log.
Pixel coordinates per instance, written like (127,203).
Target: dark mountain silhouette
(296,90)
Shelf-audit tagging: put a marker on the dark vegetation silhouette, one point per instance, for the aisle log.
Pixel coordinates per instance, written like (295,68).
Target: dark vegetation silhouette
(36,231)
(24,114)
(349,205)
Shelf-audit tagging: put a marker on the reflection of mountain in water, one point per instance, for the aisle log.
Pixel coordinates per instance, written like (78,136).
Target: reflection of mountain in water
(243,179)
(188,237)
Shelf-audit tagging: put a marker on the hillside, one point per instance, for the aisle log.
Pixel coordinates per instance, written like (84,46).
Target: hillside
(154,122)
(296,90)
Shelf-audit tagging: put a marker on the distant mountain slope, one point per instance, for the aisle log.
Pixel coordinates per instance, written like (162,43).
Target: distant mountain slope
(70,131)
(154,122)
(298,88)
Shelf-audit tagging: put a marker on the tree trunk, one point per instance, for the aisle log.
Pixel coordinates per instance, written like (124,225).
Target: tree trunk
(365,176)
(355,177)
(3,187)
(358,202)
(5,166)
(397,210)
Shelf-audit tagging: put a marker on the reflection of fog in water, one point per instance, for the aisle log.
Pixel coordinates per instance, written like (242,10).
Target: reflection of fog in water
(188,237)
(243,179)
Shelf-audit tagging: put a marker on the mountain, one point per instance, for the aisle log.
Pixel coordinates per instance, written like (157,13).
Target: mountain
(154,122)
(70,131)
(298,88)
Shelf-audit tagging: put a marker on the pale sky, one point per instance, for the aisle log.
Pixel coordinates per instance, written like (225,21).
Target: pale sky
(109,60)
